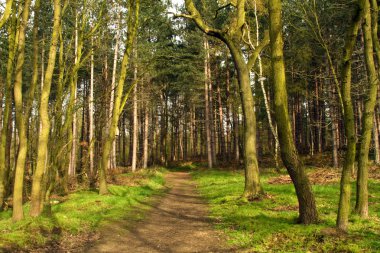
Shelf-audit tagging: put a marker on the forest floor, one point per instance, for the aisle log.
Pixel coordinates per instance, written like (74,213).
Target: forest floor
(177,222)
(195,209)
(77,218)
(270,224)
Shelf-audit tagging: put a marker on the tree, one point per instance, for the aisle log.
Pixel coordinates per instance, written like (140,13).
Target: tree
(371,44)
(21,118)
(119,100)
(37,197)
(307,208)
(349,120)
(233,36)
(7,13)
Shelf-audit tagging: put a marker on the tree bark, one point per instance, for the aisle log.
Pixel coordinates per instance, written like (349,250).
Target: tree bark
(146,137)
(21,119)
(221,126)
(112,161)
(370,102)
(91,117)
(7,13)
(349,121)
(375,134)
(37,196)
(7,114)
(135,123)
(307,207)
(133,15)
(207,106)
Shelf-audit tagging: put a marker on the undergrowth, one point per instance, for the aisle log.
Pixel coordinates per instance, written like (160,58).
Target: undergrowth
(269,225)
(82,212)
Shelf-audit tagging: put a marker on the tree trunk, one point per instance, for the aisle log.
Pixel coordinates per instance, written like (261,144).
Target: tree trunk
(349,122)
(228,111)
(221,126)
(73,100)
(134,7)
(207,106)
(135,124)
(7,114)
(21,119)
(369,107)
(307,207)
(235,118)
(91,117)
(375,134)
(112,161)
(37,196)
(146,137)
(252,187)
(7,13)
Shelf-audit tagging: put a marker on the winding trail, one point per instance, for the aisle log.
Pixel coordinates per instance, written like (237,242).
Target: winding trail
(177,223)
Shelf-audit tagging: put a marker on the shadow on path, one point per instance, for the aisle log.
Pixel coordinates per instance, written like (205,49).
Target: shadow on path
(178,222)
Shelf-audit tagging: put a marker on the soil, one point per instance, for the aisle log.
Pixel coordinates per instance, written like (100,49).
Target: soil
(178,222)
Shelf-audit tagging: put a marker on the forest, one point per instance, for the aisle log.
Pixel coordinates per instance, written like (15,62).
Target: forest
(189,126)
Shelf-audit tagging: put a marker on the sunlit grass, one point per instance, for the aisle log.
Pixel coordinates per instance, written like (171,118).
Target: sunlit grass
(270,225)
(82,212)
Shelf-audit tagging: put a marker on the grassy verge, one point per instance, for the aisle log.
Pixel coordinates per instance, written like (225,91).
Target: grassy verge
(270,225)
(82,212)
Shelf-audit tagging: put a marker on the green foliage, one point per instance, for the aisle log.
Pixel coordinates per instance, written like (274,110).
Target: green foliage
(84,211)
(269,225)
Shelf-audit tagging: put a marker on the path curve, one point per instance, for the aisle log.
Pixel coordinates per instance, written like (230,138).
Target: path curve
(178,223)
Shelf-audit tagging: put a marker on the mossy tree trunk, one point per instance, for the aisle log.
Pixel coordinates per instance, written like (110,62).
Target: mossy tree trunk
(4,140)
(119,100)
(307,208)
(370,37)
(37,196)
(7,13)
(233,37)
(349,120)
(21,118)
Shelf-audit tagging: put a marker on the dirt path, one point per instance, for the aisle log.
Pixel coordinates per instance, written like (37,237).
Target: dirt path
(178,223)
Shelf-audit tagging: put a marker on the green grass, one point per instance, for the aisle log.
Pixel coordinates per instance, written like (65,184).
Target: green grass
(262,226)
(84,211)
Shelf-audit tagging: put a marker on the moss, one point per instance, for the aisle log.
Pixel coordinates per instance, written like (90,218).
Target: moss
(270,225)
(84,211)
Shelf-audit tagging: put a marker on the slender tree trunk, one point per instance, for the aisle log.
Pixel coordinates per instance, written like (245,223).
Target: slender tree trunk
(7,12)
(221,126)
(369,107)
(235,116)
(37,195)
(266,100)
(146,137)
(207,106)
(7,115)
(349,122)
(375,134)
(91,117)
(334,134)
(133,15)
(211,108)
(135,123)
(21,119)
(228,111)
(74,82)
(307,207)
(112,162)
(252,179)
